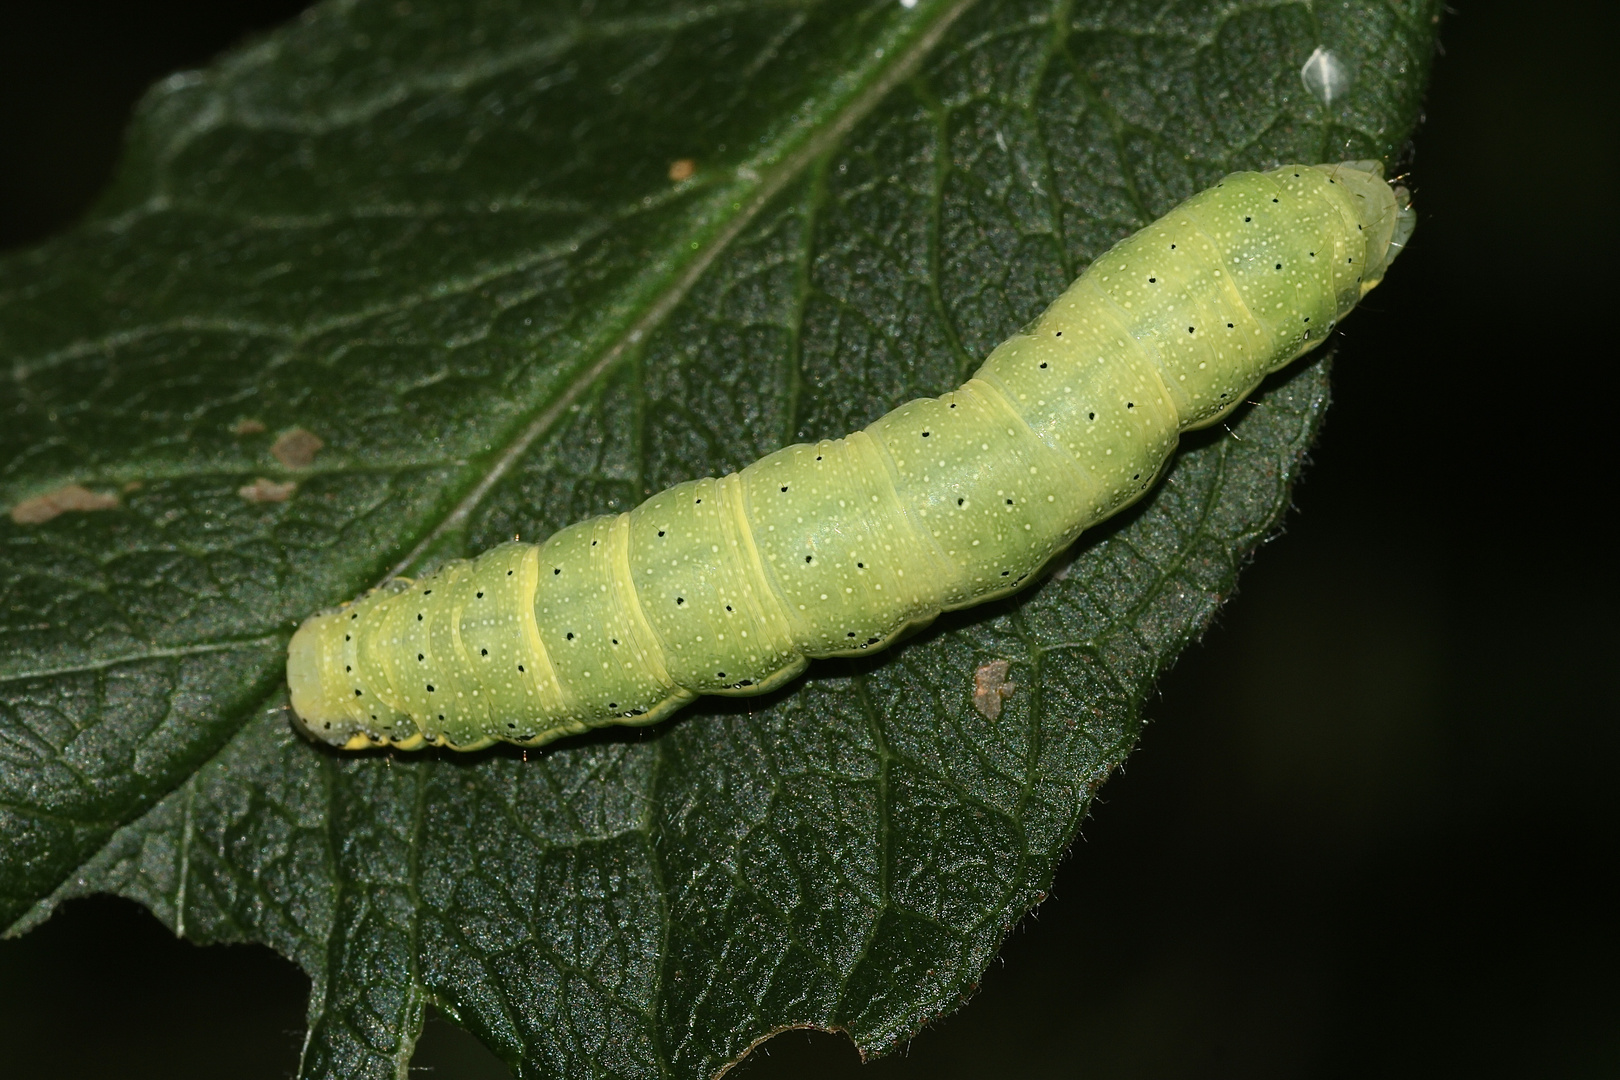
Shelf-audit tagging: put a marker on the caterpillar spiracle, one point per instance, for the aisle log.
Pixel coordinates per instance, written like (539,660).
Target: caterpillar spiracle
(731,585)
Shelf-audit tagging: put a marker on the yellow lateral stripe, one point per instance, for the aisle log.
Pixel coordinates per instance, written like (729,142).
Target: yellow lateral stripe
(923,542)
(624,586)
(768,609)
(996,402)
(1234,296)
(547,686)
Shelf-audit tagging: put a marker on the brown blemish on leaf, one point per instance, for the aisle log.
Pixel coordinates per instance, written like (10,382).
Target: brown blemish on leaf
(267,491)
(991,688)
(297,448)
(133,485)
(42,508)
(248,427)
(682,169)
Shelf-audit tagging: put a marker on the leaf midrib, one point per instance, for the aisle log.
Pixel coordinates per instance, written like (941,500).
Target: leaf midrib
(171,652)
(755,189)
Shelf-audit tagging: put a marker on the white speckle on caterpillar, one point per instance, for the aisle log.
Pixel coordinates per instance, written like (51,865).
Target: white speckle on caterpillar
(1325,76)
(732,585)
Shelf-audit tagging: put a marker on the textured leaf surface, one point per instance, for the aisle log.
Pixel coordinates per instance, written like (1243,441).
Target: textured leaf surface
(457,244)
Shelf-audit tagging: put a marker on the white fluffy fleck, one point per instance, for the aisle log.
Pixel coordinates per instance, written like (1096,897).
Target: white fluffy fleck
(1325,76)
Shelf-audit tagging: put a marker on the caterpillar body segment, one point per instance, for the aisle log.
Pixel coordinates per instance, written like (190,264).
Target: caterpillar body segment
(730,585)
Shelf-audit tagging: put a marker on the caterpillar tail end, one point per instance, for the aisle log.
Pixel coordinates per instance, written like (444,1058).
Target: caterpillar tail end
(319,696)
(1385,210)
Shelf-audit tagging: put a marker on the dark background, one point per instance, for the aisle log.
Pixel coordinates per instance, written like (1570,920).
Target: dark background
(1372,829)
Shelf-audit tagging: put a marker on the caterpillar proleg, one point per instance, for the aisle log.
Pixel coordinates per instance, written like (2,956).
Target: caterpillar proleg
(731,585)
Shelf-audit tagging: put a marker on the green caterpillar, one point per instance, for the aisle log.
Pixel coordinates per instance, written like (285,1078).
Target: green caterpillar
(730,586)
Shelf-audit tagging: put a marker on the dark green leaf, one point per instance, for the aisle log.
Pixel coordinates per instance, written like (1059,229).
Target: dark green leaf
(445,240)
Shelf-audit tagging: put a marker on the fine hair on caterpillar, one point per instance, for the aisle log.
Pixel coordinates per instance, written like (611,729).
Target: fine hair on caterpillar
(731,585)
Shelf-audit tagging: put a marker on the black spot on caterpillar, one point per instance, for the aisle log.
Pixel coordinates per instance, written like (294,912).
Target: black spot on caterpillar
(731,586)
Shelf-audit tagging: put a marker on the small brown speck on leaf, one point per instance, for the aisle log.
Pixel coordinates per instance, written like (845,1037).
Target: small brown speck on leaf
(682,169)
(267,491)
(42,508)
(133,485)
(248,427)
(297,448)
(991,688)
